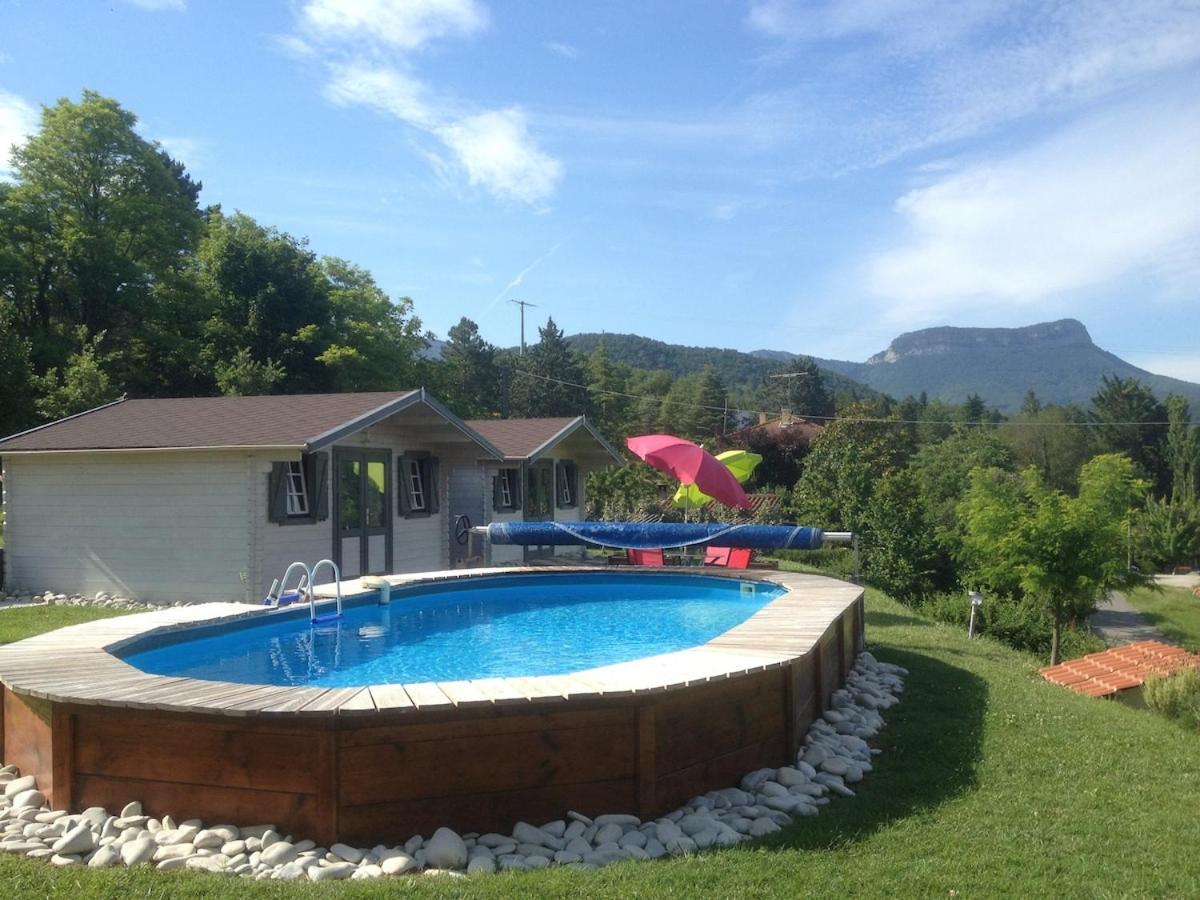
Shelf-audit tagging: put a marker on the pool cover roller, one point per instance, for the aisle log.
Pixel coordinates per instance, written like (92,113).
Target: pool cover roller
(655,535)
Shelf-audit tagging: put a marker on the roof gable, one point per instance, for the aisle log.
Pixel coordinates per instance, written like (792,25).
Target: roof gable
(530,438)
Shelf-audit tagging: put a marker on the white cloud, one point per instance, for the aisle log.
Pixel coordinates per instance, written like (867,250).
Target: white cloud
(912,74)
(566,51)
(401,24)
(367,46)
(497,152)
(18,120)
(1113,195)
(159,5)
(188,150)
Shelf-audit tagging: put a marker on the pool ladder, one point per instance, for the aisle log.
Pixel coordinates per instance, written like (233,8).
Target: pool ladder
(306,589)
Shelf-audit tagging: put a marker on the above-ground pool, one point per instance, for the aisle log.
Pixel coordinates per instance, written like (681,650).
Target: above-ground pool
(548,624)
(473,700)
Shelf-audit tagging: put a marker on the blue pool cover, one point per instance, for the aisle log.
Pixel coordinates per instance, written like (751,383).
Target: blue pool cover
(656,535)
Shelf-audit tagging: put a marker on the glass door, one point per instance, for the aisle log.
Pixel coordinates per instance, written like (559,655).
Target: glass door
(363,526)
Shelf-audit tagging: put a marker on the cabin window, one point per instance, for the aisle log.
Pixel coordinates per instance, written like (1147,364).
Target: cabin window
(297,490)
(506,494)
(417,484)
(566,477)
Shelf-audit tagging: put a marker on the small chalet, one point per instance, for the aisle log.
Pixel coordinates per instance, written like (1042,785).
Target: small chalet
(211,498)
(541,477)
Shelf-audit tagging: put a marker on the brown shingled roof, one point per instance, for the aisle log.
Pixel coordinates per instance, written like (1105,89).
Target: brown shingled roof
(521,438)
(1109,671)
(291,420)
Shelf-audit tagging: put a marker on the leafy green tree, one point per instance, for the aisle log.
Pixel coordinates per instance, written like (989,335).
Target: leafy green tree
(840,473)
(799,387)
(99,227)
(269,296)
(16,397)
(83,384)
(652,387)
(1183,450)
(625,491)
(608,385)
(244,376)
(1026,538)
(1167,533)
(1130,420)
(708,409)
(546,379)
(469,374)
(898,555)
(373,341)
(1054,438)
(676,413)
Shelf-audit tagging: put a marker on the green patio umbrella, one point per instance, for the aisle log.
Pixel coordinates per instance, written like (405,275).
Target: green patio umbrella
(741,463)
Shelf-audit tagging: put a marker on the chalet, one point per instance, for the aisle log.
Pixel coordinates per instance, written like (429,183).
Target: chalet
(211,498)
(541,477)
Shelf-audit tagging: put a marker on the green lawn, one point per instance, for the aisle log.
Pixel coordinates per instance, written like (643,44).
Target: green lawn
(1174,611)
(992,783)
(24,621)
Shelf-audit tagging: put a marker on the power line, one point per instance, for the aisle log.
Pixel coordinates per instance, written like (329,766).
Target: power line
(865,419)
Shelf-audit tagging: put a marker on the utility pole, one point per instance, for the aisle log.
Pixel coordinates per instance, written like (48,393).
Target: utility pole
(790,376)
(522,304)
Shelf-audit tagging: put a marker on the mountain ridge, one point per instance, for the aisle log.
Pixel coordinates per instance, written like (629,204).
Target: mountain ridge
(1057,360)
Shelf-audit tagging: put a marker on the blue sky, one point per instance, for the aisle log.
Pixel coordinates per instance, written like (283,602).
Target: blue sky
(808,176)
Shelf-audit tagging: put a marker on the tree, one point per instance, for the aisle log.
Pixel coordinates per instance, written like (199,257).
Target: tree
(1056,439)
(798,387)
(1167,533)
(898,555)
(1183,450)
(16,397)
(608,386)
(469,375)
(1064,553)
(268,296)
(547,378)
(83,384)
(373,341)
(708,409)
(99,228)
(244,376)
(651,386)
(1130,420)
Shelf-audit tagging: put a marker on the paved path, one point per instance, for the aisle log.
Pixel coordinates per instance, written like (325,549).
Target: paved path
(1184,581)
(1117,622)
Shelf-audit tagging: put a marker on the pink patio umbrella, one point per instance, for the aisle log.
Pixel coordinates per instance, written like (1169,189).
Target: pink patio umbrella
(691,464)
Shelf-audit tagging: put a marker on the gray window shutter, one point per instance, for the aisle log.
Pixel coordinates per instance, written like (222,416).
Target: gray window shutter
(433,479)
(496,493)
(404,505)
(277,493)
(318,486)
(560,475)
(571,473)
(516,488)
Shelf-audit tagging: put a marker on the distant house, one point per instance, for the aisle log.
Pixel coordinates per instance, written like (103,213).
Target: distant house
(542,476)
(211,498)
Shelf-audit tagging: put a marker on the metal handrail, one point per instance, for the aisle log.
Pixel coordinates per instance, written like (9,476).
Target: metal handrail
(306,581)
(312,594)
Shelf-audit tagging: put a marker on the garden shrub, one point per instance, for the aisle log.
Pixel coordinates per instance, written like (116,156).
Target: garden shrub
(1176,696)
(1020,624)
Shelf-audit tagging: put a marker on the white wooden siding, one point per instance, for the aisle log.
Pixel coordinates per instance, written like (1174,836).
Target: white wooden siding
(152,526)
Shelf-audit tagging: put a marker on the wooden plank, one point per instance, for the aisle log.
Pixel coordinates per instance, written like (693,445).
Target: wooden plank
(62,740)
(647,769)
(216,753)
(478,763)
(391,698)
(482,724)
(27,738)
(426,695)
(361,703)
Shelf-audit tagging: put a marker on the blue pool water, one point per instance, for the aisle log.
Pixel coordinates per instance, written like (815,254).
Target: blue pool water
(546,624)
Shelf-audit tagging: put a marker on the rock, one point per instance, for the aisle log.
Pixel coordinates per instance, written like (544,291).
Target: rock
(835,766)
(138,851)
(556,828)
(207,863)
(278,853)
(18,785)
(524,833)
(413,844)
(491,839)
(622,820)
(28,799)
(446,850)
(762,826)
(608,833)
(347,853)
(574,830)
(579,817)
(578,846)
(789,777)
(755,779)
(481,865)
(208,840)
(399,864)
(332,872)
(60,859)
(78,840)
(368,871)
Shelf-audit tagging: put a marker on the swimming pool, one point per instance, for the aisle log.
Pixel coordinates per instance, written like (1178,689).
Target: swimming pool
(546,624)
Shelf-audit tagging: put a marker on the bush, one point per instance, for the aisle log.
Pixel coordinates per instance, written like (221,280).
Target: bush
(836,562)
(1176,696)
(1020,624)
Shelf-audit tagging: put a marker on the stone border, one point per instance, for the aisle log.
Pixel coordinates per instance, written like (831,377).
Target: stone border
(76,664)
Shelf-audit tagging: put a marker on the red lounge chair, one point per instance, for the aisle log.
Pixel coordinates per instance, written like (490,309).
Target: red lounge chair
(645,557)
(729,557)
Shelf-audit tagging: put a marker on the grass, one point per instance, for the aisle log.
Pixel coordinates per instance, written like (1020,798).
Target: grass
(1174,611)
(992,783)
(21,622)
